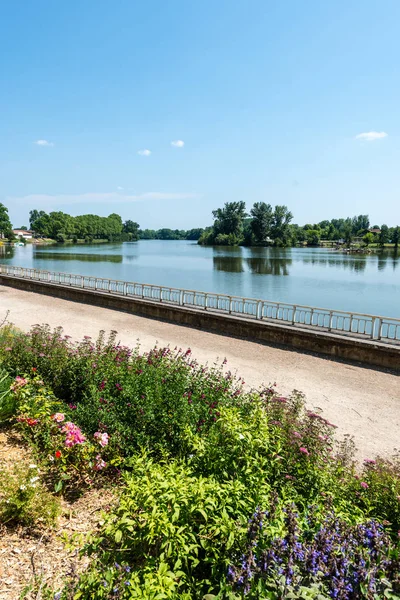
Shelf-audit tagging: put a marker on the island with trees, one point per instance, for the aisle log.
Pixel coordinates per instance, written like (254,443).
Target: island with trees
(272,226)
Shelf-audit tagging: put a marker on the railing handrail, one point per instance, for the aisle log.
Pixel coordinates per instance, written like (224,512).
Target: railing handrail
(352,315)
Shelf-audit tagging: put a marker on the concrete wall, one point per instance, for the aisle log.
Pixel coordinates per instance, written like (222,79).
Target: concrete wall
(336,346)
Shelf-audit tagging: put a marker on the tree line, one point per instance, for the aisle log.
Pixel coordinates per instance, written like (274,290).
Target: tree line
(62,227)
(170,234)
(266,225)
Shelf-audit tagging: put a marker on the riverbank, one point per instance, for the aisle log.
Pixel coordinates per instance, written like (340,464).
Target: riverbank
(364,403)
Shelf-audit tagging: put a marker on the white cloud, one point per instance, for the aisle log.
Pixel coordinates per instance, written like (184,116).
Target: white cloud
(43,143)
(48,200)
(144,152)
(178,143)
(119,188)
(371,136)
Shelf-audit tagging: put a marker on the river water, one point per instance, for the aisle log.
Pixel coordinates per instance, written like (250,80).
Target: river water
(311,276)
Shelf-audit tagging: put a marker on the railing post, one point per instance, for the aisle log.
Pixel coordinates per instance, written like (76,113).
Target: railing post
(230,305)
(181,298)
(294,315)
(330,320)
(380,329)
(373,325)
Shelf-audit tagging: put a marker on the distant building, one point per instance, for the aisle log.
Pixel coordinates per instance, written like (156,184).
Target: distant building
(24,233)
(374,230)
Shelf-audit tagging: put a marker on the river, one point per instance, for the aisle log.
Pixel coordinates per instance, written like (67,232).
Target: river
(311,276)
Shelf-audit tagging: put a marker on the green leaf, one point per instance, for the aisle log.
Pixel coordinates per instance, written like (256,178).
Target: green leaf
(118,536)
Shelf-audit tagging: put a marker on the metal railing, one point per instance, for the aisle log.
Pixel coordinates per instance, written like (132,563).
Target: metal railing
(373,327)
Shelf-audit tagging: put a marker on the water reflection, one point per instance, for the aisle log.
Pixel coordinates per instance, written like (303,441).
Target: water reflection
(269,266)
(357,264)
(382,260)
(230,264)
(7,252)
(354,262)
(114,258)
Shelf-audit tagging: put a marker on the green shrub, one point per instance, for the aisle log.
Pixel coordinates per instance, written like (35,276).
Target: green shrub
(140,399)
(7,400)
(168,521)
(178,534)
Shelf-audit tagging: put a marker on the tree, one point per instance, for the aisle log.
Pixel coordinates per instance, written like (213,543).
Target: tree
(280,231)
(5,223)
(360,224)
(313,237)
(132,228)
(348,234)
(384,235)
(147,234)
(34,216)
(194,234)
(396,237)
(261,222)
(229,220)
(368,238)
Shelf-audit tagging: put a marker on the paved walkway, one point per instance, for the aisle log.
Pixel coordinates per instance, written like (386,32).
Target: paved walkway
(363,402)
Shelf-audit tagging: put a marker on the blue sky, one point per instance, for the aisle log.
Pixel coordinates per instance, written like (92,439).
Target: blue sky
(267,97)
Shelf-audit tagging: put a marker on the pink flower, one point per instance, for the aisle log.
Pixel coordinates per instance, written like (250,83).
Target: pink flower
(304,450)
(19,382)
(58,417)
(99,464)
(296,434)
(102,438)
(369,461)
(74,434)
(364,485)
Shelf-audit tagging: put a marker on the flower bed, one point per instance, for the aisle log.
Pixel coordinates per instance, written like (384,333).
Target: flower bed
(224,493)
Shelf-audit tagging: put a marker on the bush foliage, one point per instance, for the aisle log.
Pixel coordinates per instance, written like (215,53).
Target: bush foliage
(225,493)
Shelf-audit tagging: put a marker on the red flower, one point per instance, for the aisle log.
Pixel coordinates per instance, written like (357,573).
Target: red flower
(34,369)
(58,454)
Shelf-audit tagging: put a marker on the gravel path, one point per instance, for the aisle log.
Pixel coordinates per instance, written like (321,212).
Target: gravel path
(363,402)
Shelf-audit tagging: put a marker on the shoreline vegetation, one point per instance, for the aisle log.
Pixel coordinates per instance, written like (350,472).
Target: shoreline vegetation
(263,226)
(218,493)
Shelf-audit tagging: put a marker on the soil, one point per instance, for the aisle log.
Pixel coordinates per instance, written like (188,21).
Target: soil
(30,557)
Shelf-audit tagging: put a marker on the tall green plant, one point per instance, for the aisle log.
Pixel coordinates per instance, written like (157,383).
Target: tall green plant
(7,400)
